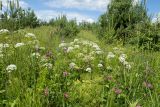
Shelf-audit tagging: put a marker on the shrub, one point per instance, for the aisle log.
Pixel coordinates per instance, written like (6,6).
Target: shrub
(66,28)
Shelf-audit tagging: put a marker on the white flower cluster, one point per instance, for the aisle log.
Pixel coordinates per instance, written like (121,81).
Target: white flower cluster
(4,45)
(36,55)
(110,55)
(3,31)
(11,68)
(100,65)
(89,70)
(48,65)
(30,35)
(72,65)
(122,59)
(19,45)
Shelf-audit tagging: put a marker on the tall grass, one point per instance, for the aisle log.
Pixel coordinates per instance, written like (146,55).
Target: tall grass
(45,78)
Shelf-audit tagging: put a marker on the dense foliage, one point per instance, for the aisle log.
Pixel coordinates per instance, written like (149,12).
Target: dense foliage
(129,23)
(65,27)
(62,63)
(37,70)
(15,17)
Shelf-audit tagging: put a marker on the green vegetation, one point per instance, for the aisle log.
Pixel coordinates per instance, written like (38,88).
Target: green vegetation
(111,63)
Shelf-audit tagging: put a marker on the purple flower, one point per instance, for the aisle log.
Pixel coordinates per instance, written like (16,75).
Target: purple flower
(49,54)
(65,74)
(46,91)
(66,96)
(117,91)
(147,85)
(108,78)
(138,105)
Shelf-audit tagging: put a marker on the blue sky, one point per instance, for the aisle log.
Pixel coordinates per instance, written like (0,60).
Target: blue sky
(88,10)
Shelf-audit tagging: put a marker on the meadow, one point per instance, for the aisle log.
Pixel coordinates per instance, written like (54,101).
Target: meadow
(41,69)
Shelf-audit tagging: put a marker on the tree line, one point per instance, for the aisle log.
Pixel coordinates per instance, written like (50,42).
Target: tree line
(124,20)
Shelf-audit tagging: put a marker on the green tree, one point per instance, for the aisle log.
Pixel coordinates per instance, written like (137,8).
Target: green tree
(121,18)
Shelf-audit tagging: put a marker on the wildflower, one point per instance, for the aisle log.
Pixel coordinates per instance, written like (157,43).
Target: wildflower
(147,85)
(99,52)
(128,66)
(30,35)
(117,91)
(70,49)
(108,78)
(19,45)
(138,105)
(66,96)
(76,40)
(80,55)
(88,69)
(49,54)
(100,65)
(44,59)
(4,45)
(97,48)
(65,74)
(123,55)
(76,46)
(88,58)
(62,45)
(122,59)
(72,65)
(46,91)
(37,55)
(110,55)
(11,68)
(2,31)
(48,65)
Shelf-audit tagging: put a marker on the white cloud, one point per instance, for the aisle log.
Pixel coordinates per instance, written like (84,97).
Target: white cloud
(24,4)
(98,5)
(49,14)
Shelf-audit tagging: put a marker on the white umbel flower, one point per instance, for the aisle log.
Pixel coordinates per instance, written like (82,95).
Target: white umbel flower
(76,40)
(2,31)
(70,49)
(37,55)
(30,35)
(4,45)
(122,58)
(19,45)
(76,46)
(62,45)
(110,55)
(100,65)
(48,65)
(128,66)
(89,70)
(72,65)
(11,68)
(98,52)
